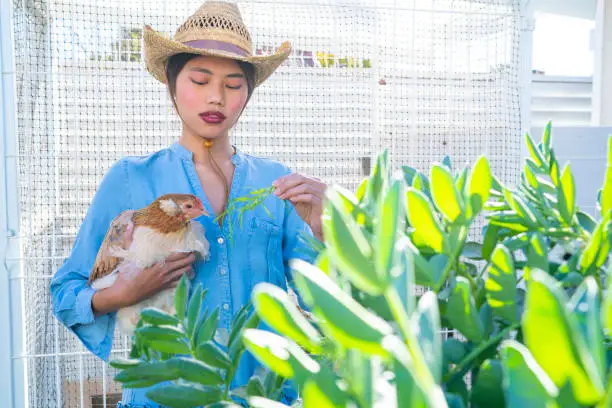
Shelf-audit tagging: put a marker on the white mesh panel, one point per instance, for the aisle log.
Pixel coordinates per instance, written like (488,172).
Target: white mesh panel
(423,78)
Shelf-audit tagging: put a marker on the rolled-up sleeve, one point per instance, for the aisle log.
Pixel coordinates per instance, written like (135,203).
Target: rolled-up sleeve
(70,293)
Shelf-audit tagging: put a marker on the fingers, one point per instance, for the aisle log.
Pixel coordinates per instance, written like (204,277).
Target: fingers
(180,256)
(174,278)
(306,198)
(302,189)
(296,183)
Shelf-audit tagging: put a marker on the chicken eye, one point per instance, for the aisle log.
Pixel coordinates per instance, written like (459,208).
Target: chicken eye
(189,206)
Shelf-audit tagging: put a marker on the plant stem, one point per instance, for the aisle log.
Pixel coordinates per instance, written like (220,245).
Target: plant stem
(477,351)
(456,253)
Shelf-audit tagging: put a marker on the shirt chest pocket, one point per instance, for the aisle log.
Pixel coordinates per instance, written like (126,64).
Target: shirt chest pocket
(265,252)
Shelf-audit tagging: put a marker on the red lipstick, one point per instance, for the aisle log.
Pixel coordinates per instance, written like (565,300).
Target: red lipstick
(212,117)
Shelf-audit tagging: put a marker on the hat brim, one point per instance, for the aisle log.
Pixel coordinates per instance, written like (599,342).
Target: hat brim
(158,48)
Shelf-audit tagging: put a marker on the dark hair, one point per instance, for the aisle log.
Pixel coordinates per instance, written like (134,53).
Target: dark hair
(177,62)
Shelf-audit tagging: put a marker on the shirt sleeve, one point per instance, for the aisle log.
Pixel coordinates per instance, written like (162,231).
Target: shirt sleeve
(70,294)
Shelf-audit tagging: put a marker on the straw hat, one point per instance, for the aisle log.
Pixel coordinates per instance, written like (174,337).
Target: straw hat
(215,29)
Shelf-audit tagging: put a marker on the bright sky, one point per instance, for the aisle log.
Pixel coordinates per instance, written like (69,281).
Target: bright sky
(561,45)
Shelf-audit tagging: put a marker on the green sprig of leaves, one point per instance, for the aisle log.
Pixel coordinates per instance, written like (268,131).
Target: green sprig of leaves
(245,203)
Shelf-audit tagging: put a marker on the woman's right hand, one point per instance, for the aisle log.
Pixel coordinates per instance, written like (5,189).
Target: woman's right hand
(134,285)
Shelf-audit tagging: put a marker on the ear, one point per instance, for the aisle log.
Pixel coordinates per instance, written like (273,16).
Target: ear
(169,207)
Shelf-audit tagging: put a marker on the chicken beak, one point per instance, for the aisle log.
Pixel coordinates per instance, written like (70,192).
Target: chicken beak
(201,208)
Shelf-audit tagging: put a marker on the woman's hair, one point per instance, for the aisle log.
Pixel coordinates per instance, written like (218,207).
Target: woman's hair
(177,62)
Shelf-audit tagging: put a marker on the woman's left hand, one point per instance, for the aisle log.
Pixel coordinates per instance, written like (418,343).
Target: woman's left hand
(306,194)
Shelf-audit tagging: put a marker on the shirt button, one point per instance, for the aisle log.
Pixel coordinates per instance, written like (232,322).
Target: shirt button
(220,240)
(225,306)
(223,271)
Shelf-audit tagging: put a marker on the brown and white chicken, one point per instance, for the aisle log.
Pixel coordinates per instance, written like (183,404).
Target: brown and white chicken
(138,239)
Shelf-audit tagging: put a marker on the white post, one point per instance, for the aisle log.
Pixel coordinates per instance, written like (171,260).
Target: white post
(525,76)
(12,368)
(602,76)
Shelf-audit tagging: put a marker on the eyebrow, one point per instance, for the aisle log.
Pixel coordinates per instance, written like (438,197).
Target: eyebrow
(206,71)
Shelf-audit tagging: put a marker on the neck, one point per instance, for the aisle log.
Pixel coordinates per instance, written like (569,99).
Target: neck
(221,149)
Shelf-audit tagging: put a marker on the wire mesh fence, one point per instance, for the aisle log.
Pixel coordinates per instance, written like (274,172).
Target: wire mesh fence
(422,78)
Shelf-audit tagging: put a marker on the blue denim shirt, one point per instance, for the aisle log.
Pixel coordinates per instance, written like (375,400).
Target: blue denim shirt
(259,252)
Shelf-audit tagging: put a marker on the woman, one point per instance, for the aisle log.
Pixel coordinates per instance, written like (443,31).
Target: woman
(210,73)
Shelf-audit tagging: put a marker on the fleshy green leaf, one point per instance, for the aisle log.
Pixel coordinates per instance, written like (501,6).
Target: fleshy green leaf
(555,174)
(533,150)
(417,389)
(255,387)
(122,363)
(280,313)
(260,402)
(523,210)
(158,317)
(599,240)
(151,372)
(461,311)
(526,384)
(409,174)
(454,350)
(445,194)
(184,395)
(359,375)
(166,339)
(180,297)
(472,250)
(487,391)
(377,184)
(479,186)
(501,285)
(281,355)
(195,371)
(194,308)
(236,348)
(212,355)
(586,221)
(427,230)
(390,221)
(547,140)
(349,249)
(606,193)
(343,319)
(426,326)
(564,356)
(461,180)
(207,331)
(537,255)
(490,240)
(321,390)
(585,305)
(566,195)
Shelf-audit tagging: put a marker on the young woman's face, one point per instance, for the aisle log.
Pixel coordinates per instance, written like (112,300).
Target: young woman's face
(210,95)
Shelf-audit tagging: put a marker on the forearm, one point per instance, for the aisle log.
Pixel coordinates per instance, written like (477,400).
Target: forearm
(107,301)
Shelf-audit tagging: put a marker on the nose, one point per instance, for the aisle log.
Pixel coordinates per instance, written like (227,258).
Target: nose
(215,97)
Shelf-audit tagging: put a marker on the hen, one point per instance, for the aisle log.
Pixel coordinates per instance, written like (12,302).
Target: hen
(138,239)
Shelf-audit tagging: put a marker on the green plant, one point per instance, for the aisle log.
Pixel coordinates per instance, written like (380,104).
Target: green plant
(189,351)
(534,280)
(528,301)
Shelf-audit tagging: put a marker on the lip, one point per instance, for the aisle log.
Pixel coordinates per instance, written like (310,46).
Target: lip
(212,117)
